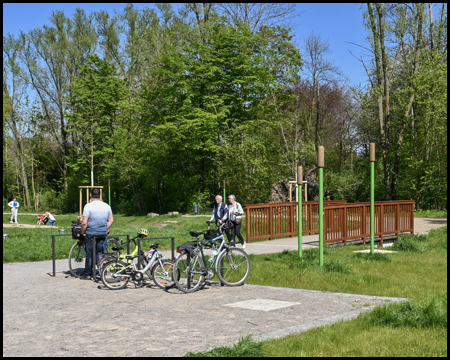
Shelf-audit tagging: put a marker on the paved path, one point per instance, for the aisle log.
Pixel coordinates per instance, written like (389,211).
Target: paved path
(64,316)
(421,225)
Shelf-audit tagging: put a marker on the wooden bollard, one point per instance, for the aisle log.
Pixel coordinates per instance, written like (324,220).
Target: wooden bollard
(321,157)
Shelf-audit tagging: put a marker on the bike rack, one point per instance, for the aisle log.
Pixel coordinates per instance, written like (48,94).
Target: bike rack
(93,252)
(168,237)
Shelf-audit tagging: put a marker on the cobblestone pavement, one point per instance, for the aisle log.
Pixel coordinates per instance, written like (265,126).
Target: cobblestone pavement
(65,316)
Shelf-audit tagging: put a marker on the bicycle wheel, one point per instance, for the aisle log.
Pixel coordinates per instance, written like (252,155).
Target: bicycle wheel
(111,275)
(188,270)
(163,275)
(233,266)
(77,258)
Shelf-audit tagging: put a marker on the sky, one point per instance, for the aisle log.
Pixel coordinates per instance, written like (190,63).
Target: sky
(335,23)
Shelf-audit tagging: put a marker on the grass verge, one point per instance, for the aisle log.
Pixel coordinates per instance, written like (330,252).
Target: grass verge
(35,244)
(417,327)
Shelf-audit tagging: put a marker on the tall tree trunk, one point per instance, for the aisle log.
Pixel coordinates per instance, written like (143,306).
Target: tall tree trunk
(409,108)
(384,139)
(387,118)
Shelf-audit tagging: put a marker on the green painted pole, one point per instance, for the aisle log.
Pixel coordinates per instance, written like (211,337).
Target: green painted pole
(321,164)
(372,197)
(224,196)
(299,209)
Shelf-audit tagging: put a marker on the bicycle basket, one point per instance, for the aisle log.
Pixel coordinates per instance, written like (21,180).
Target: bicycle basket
(211,234)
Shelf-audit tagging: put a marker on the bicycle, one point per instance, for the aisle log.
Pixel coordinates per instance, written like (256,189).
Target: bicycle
(232,265)
(116,274)
(77,255)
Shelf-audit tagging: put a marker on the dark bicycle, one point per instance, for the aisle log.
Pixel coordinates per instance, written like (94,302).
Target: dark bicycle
(230,264)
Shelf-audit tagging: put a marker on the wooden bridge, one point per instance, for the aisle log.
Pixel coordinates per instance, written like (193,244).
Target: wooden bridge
(342,221)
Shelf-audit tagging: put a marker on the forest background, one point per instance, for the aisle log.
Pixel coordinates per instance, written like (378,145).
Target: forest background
(167,104)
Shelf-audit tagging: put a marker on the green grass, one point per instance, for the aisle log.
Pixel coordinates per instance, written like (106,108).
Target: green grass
(417,327)
(36,244)
(430,213)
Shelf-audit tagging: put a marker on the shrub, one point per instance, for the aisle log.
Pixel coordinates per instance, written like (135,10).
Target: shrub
(410,243)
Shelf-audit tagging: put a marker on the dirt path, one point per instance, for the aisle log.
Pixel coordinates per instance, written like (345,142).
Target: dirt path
(28,226)
(424,225)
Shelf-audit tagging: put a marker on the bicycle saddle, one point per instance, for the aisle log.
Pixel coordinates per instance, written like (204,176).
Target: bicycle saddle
(195,233)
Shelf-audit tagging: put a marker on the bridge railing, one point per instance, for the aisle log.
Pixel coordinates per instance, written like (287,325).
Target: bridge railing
(342,221)
(352,221)
(267,221)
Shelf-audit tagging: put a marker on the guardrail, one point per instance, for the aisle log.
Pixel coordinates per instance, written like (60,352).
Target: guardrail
(352,221)
(267,221)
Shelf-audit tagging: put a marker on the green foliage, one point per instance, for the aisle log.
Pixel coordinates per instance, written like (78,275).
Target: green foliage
(246,347)
(177,103)
(410,243)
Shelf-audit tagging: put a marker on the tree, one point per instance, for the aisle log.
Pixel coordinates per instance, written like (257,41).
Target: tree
(97,95)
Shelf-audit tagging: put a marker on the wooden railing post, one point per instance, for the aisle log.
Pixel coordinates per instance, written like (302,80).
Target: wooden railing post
(291,222)
(363,227)
(397,219)
(248,223)
(271,215)
(381,224)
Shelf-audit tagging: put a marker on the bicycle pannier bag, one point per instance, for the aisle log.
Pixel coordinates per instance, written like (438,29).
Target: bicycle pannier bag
(76,230)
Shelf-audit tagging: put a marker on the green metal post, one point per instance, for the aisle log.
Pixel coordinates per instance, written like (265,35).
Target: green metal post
(372,197)
(299,209)
(300,221)
(321,164)
(321,216)
(224,196)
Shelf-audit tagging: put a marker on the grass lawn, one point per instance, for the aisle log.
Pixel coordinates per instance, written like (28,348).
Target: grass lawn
(414,328)
(35,244)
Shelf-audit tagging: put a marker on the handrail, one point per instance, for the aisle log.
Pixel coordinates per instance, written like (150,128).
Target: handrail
(277,220)
(267,221)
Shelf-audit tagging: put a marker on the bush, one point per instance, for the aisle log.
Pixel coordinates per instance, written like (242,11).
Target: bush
(410,243)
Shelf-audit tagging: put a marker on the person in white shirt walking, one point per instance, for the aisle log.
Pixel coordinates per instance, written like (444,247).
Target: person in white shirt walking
(51,218)
(14,204)
(235,212)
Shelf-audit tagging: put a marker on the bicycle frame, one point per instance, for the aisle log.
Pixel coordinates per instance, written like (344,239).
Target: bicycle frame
(156,256)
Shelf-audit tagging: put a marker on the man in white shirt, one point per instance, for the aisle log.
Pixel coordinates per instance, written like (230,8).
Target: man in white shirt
(14,204)
(97,219)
